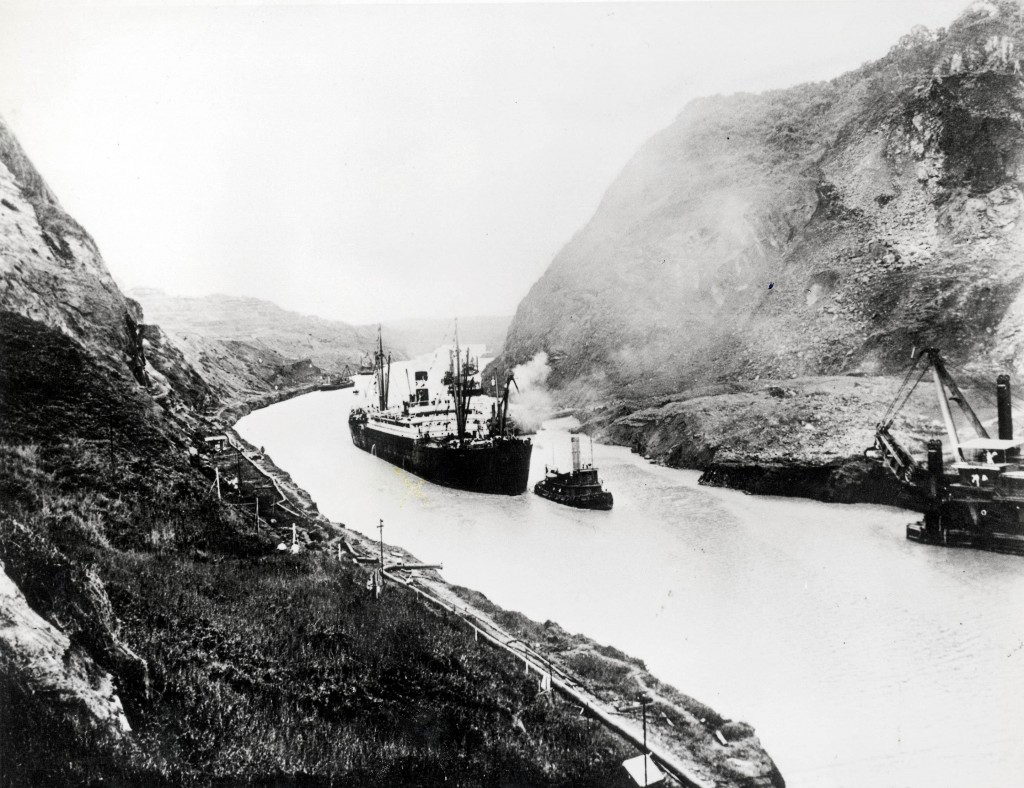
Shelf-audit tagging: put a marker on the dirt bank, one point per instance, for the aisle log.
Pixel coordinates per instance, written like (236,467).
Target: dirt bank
(799,437)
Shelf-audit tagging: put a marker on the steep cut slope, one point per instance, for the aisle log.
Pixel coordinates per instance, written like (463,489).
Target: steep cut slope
(51,270)
(883,205)
(821,230)
(79,402)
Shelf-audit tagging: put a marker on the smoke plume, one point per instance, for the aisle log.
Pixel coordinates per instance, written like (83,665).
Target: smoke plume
(533,403)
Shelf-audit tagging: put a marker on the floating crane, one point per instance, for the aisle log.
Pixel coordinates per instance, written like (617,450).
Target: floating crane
(980,502)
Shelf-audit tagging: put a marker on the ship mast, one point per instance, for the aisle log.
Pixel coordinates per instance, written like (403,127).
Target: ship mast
(461,386)
(382,373)
(458,392)
(503,412)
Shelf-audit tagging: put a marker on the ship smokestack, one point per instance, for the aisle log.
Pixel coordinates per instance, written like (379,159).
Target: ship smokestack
(1003,407)
(935,468)
(575,452)
(936,483)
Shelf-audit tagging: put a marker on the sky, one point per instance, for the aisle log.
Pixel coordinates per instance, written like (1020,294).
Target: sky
(376,162)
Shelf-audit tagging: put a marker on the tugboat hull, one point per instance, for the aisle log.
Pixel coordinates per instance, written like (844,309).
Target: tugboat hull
(498,467)
(596,500)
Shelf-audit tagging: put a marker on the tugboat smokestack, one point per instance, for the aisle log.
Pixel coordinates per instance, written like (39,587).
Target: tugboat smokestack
(575,452)
(1003,407)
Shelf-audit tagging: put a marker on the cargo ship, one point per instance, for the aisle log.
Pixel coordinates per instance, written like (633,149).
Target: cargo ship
(580,487)
(444,439)
(976,501)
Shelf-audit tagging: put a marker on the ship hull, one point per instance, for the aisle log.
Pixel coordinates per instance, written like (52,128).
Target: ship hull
(501,468)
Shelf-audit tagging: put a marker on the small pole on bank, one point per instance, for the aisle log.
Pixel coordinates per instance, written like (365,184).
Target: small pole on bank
(380,529)
(644,700)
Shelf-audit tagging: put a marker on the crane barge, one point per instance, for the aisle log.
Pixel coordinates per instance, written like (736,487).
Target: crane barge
(978,500)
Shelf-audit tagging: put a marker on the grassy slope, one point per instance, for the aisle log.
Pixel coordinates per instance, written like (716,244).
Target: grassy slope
(257,667)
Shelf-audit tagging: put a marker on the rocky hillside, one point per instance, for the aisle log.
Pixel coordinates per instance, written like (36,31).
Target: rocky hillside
(822,230)
(51,270)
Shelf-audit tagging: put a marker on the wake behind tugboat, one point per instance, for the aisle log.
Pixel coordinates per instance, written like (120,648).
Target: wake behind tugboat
(444,439)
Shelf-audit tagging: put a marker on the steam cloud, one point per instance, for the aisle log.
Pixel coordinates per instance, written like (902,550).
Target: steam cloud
(533,403)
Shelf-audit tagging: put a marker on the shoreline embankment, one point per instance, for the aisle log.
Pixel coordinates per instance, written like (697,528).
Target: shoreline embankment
(800,438)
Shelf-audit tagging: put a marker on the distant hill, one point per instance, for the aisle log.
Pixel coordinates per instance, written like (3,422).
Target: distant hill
(232,337)
(230,334)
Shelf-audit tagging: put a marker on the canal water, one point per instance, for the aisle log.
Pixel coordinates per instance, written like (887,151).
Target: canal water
(861,658)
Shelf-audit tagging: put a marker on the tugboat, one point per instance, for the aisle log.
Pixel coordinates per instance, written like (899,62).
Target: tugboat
(444,440)
(979,501)
(580,487)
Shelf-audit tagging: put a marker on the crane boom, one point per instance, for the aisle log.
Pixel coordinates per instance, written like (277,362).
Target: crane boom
(943,381)
(889,451)
(947,417)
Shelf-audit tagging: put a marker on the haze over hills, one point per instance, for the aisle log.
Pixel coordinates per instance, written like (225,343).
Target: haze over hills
(820,230)
(239,338)
(329,344)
